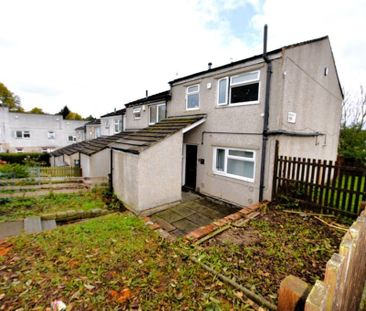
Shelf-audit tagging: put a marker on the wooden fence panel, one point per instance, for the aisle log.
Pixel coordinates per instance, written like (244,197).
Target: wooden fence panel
(55,171)
(319,184)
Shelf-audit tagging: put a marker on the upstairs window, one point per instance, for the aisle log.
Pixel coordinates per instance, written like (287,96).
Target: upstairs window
(118,126)
(26,134)
(72,138)
(22,134)
(156,113)
(240,89)
(234,163)
(192,97)
(136,113)
(51,135)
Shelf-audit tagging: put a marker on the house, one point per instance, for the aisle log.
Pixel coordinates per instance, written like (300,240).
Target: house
(223,125)
(28,132)
(113,122)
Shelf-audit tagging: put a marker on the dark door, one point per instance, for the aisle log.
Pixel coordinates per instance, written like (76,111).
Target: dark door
(191,166)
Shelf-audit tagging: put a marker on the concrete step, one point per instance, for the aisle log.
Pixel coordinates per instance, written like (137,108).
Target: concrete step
(27,194)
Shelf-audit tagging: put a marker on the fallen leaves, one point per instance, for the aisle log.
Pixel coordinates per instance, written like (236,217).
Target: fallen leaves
(5,247)
(121,296)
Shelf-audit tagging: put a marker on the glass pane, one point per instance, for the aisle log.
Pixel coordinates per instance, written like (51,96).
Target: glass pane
(245,77)
(192,89)
(244,93)
(192,101)
(220,159)
(152,110)
(19,134)
(222,91)
(240,168)
(161,113)
(239,153)
(26,134)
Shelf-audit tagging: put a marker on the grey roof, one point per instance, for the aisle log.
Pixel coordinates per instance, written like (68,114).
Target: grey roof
(140,140)
(152,98)
(119,112)
(92,122)
(88,147)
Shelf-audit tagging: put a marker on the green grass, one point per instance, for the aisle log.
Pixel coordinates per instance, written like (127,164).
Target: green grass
(86,264)
(18,208)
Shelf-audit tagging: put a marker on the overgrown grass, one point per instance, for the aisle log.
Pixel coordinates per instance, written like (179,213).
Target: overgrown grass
(269,248)
(89,265)
(17,208)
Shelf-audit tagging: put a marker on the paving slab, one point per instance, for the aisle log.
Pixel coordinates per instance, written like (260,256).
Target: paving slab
(185,225)
(170,215)
(200,219)
(183,210)
(32,224)
(11,228)
(49,224)
(163,224)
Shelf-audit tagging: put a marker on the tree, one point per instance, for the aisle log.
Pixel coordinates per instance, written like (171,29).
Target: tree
(36,110)
(64,112)
(73,116)
(90,118)
(352,140)
(9,99)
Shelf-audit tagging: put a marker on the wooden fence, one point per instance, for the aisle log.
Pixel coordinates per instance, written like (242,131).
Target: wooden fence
(322,185)
(55,171)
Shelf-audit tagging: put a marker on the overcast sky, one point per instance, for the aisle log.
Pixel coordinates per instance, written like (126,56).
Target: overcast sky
(94,55)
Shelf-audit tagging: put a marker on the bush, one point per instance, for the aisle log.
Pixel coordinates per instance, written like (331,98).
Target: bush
(31,159)
(13,171)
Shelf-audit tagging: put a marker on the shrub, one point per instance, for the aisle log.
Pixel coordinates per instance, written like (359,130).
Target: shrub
(13,171)
(32,159)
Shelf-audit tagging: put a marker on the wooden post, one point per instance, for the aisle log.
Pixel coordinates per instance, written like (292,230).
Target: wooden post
(362,207)
(292,294)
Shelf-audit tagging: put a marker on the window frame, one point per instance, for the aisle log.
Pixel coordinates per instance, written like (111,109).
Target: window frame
(230,84)
(73,138)
(156,113)
(227,156)
(134,111)
(49,136)
(193,93)
(118,123)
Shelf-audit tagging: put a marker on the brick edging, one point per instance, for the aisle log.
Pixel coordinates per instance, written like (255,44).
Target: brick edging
(205,230)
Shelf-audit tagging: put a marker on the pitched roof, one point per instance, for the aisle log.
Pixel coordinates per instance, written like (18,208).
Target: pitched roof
(93,122)
(138,141)
(115,113)
(246,60)
(152,98)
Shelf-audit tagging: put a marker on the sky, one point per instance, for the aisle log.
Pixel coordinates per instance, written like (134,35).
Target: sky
(94,55)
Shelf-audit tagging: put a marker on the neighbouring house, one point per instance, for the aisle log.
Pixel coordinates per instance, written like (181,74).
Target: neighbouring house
(28,132)
(93,129)
(113,123)
(146,111)
(223,124)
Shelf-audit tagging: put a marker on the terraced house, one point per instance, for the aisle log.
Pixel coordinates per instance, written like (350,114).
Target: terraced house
(215,131)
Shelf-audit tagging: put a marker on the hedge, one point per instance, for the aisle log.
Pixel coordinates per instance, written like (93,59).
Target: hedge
(33,159)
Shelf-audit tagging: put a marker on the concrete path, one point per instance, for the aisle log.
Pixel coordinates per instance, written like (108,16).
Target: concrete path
(192,213)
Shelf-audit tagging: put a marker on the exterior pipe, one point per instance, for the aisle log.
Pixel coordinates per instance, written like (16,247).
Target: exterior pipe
(111,171)
(266,116)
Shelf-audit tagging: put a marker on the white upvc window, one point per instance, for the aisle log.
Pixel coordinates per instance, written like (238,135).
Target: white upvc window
(118,125)
(19,150)
(193,97)
(51,135)
(241,89)
(26,134)
(72,138)
(136,113)
(156,113)
(97,132)
(234,163)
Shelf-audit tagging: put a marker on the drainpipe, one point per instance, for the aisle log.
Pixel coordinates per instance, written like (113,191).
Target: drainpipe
(266,115)
(111,172)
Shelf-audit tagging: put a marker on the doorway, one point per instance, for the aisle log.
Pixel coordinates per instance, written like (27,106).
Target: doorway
(190,167)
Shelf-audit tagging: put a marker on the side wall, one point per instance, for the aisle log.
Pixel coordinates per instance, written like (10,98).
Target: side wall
(100,164)
(85,165)
(160,173)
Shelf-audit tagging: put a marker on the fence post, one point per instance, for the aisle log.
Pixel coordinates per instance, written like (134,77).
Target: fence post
(292,294)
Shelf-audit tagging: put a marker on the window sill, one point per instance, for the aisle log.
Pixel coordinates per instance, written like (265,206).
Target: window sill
(216,173)
(192,109)
(238,104)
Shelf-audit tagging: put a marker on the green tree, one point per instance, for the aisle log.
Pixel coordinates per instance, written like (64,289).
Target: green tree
(89,118)
(64,112)
(36,110)
(73,116)
(9,99)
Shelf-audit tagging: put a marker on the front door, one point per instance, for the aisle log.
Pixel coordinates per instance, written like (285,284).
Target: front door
(191,167)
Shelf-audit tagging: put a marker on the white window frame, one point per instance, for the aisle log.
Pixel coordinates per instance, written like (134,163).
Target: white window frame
(118,123)
(136,110)
(28,134)
(19,150)
(73,138)
(51,136)
(229,86)
(192,93)
(156,112)
(227,156)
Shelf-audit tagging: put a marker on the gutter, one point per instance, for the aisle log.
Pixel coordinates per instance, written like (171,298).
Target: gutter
(266,114)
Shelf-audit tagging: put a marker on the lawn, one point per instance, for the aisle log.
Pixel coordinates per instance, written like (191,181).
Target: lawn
(17,208)
(113,262)
(270,247)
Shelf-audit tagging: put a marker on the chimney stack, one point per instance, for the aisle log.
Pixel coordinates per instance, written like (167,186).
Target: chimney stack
(209,65)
